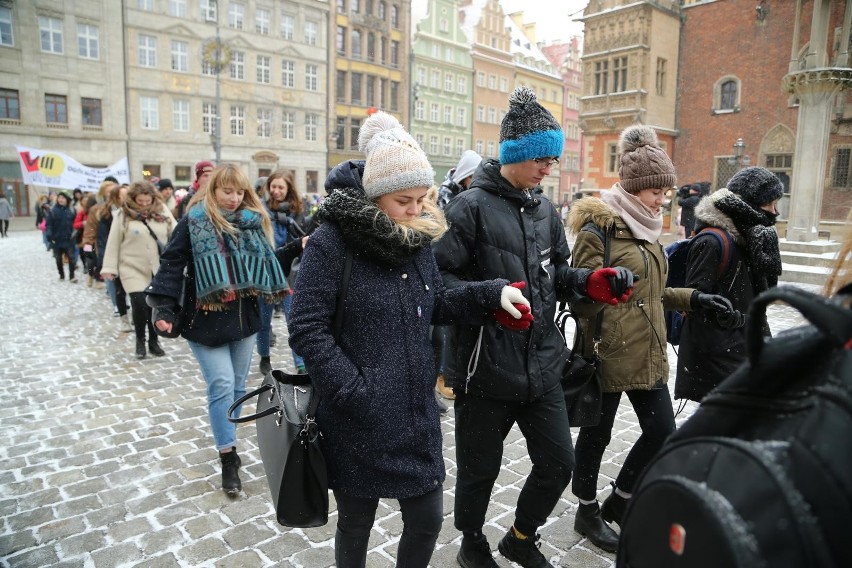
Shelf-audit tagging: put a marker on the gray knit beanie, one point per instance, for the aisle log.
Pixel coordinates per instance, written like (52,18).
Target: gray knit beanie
(395,160)
(643,164)
(756,186)
(528,130)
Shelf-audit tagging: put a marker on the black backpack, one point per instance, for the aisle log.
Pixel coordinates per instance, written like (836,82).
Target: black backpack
(761,474)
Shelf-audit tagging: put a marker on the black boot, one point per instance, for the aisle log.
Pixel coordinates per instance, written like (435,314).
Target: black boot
(265,366)
(230,477)
(589,523)
(140,348)
(523,551)
(613,508)
(154,347)
(475,553)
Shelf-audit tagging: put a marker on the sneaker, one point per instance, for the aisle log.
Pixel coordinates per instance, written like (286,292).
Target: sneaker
(73,280)
(124,323)
(230,476)
(475,553)
(523,551)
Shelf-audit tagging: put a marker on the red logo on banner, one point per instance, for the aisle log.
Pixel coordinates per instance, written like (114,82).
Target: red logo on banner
(30,163)
(677,538)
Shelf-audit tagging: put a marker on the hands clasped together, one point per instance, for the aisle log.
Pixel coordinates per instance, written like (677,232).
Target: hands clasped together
(514,312)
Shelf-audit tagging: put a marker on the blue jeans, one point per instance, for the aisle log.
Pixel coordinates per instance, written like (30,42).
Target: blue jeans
(265,333)
(225,368)
(288,301)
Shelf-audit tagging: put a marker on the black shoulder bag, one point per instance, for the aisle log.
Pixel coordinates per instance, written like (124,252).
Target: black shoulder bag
(581,378)
(161,246)
(288,436)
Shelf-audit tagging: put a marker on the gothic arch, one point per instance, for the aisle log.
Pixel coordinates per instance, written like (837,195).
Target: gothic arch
(779,139)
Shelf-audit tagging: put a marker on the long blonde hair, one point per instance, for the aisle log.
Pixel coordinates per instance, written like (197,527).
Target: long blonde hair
(431,221)
(232,175)
(841,274)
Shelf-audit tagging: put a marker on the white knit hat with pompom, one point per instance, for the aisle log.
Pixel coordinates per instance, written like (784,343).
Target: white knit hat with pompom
(395,160)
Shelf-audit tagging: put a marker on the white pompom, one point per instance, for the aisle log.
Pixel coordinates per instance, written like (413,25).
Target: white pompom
(378,122)
(637,136)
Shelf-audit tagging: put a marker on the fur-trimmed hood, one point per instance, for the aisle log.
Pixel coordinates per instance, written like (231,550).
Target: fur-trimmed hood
(707,214)
(591,210)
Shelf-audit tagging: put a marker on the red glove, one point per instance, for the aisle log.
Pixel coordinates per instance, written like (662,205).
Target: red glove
(505,319)
(610,285)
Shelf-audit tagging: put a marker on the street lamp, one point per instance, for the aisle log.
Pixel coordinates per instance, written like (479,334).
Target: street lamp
(739,159)
(217,56)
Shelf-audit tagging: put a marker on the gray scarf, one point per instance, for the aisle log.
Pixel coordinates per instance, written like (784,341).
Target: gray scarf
(642,222)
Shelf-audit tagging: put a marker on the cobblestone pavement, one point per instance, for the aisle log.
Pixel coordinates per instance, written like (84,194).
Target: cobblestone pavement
(109,461)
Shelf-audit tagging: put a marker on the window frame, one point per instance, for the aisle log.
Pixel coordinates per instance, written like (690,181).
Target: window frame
(89,41)
(55,37)
(95,107)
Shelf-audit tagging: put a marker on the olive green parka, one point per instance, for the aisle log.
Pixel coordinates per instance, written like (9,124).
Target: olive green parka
(633,334)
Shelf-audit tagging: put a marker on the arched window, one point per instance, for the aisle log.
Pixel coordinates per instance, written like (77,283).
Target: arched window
(382,10)
(728,95)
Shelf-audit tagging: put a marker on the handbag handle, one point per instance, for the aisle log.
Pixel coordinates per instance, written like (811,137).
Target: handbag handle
(255,393)
(831,318)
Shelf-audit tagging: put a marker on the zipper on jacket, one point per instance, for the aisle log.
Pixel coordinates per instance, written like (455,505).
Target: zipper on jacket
(737,273)
(644,254)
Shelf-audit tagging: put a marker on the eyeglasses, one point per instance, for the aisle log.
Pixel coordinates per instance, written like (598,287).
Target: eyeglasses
(546,162)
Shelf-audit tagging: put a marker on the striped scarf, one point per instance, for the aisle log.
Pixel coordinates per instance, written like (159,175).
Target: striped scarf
(227,265)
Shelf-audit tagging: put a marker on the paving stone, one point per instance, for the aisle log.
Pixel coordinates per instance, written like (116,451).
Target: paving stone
(41,556)
(80,544)
(61,528)
(155,542)
(122,554)
(21,540)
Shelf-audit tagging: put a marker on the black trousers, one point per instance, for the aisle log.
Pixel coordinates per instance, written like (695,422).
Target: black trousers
(4,227)
(141,316)
(482,425)
(656,419)
(60,265)
(421,522)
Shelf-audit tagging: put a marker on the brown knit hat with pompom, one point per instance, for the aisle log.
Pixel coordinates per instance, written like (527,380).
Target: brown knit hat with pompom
(643,164)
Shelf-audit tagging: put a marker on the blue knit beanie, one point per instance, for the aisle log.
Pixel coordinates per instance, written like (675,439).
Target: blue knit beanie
(528,130)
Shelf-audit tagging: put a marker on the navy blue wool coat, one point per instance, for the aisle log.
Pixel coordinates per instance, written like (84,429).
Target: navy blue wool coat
(378,415)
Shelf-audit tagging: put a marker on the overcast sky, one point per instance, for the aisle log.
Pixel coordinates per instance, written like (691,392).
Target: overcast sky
(553,18)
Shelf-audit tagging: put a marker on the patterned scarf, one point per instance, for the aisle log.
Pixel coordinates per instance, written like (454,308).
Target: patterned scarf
(641,221)
(227,265)
(133,211)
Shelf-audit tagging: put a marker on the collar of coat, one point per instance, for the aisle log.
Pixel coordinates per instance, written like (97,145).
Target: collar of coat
(707,214)
(593,210)
(493,182)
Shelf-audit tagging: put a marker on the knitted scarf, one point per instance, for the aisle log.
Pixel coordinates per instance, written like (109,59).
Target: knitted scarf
(368,230)
(227,265)
(642,222)
(132,210)
(758,228)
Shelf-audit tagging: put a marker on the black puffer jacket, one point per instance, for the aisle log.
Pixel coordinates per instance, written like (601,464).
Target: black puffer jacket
(497,231)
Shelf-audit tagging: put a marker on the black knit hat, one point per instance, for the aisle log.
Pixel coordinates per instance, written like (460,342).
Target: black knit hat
(528,130)
(164,183)
(756,186)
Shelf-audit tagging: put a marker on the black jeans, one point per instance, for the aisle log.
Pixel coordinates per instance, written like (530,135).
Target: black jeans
(60,265)
(656,419)
(141,316)
(482,425)
(421,522)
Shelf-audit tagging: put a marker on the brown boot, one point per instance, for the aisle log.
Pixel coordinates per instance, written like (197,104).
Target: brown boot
(443,389)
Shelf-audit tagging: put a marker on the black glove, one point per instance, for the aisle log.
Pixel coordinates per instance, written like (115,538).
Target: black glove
(623,280)
(165,313)
(713,302)
(732,320)
(282,218)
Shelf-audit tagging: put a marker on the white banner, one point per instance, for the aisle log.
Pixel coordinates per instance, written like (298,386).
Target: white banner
(55,169)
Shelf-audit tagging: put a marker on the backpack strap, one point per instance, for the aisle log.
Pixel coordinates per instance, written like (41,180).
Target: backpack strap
(726,241)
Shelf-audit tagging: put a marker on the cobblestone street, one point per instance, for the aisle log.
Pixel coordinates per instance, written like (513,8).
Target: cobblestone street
(109,461)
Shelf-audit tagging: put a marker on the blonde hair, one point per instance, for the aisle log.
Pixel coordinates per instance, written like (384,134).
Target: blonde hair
(431,221)
(232,175)
(841,274)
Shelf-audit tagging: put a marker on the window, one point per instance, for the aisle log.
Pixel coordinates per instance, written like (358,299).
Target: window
(264,122)
(208,10)
(87,41)
(601,75)
(394,16)
(355,6)
(492,82)
(504,85)
(435,81)
(288,74)
(177,8)
(433,145)
(180,56)
(238,65)
(356,44)
(311,181)
(236,16)
(91,112)
(340,133)
(311,127)
(261,21)
(341,7)
(288,25)
(6,37)
(419,139)
(394,53)
(448,146)
(311,77)
(491,148)
(461,117)
(394,95)
(368,7)
(449,54)
(479,147)
(459,146)
(434,110)
(340,87)
(209,117)
(149,113)
(492,115)
(619,74)
(10,105)
(264,71)
(56,109)
(311,33)
(841,176)
(480,79)
(147,5)
(238,120)
(371,91)
(180,116)
(354,127)
(340,41)
(480,113)
(356,88)
(382,8)
(420,110)
(661,77)
(50,34)
(382,91)
(383,50)
(448,114)
(728,95)
(371,47)
(462,86)
(449,82)
(288,125)
(147,51)
(612,159)
(182,173)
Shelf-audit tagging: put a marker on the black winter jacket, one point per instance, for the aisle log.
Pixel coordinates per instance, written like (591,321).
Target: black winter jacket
(498,231)
(59,226)
(210,328)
